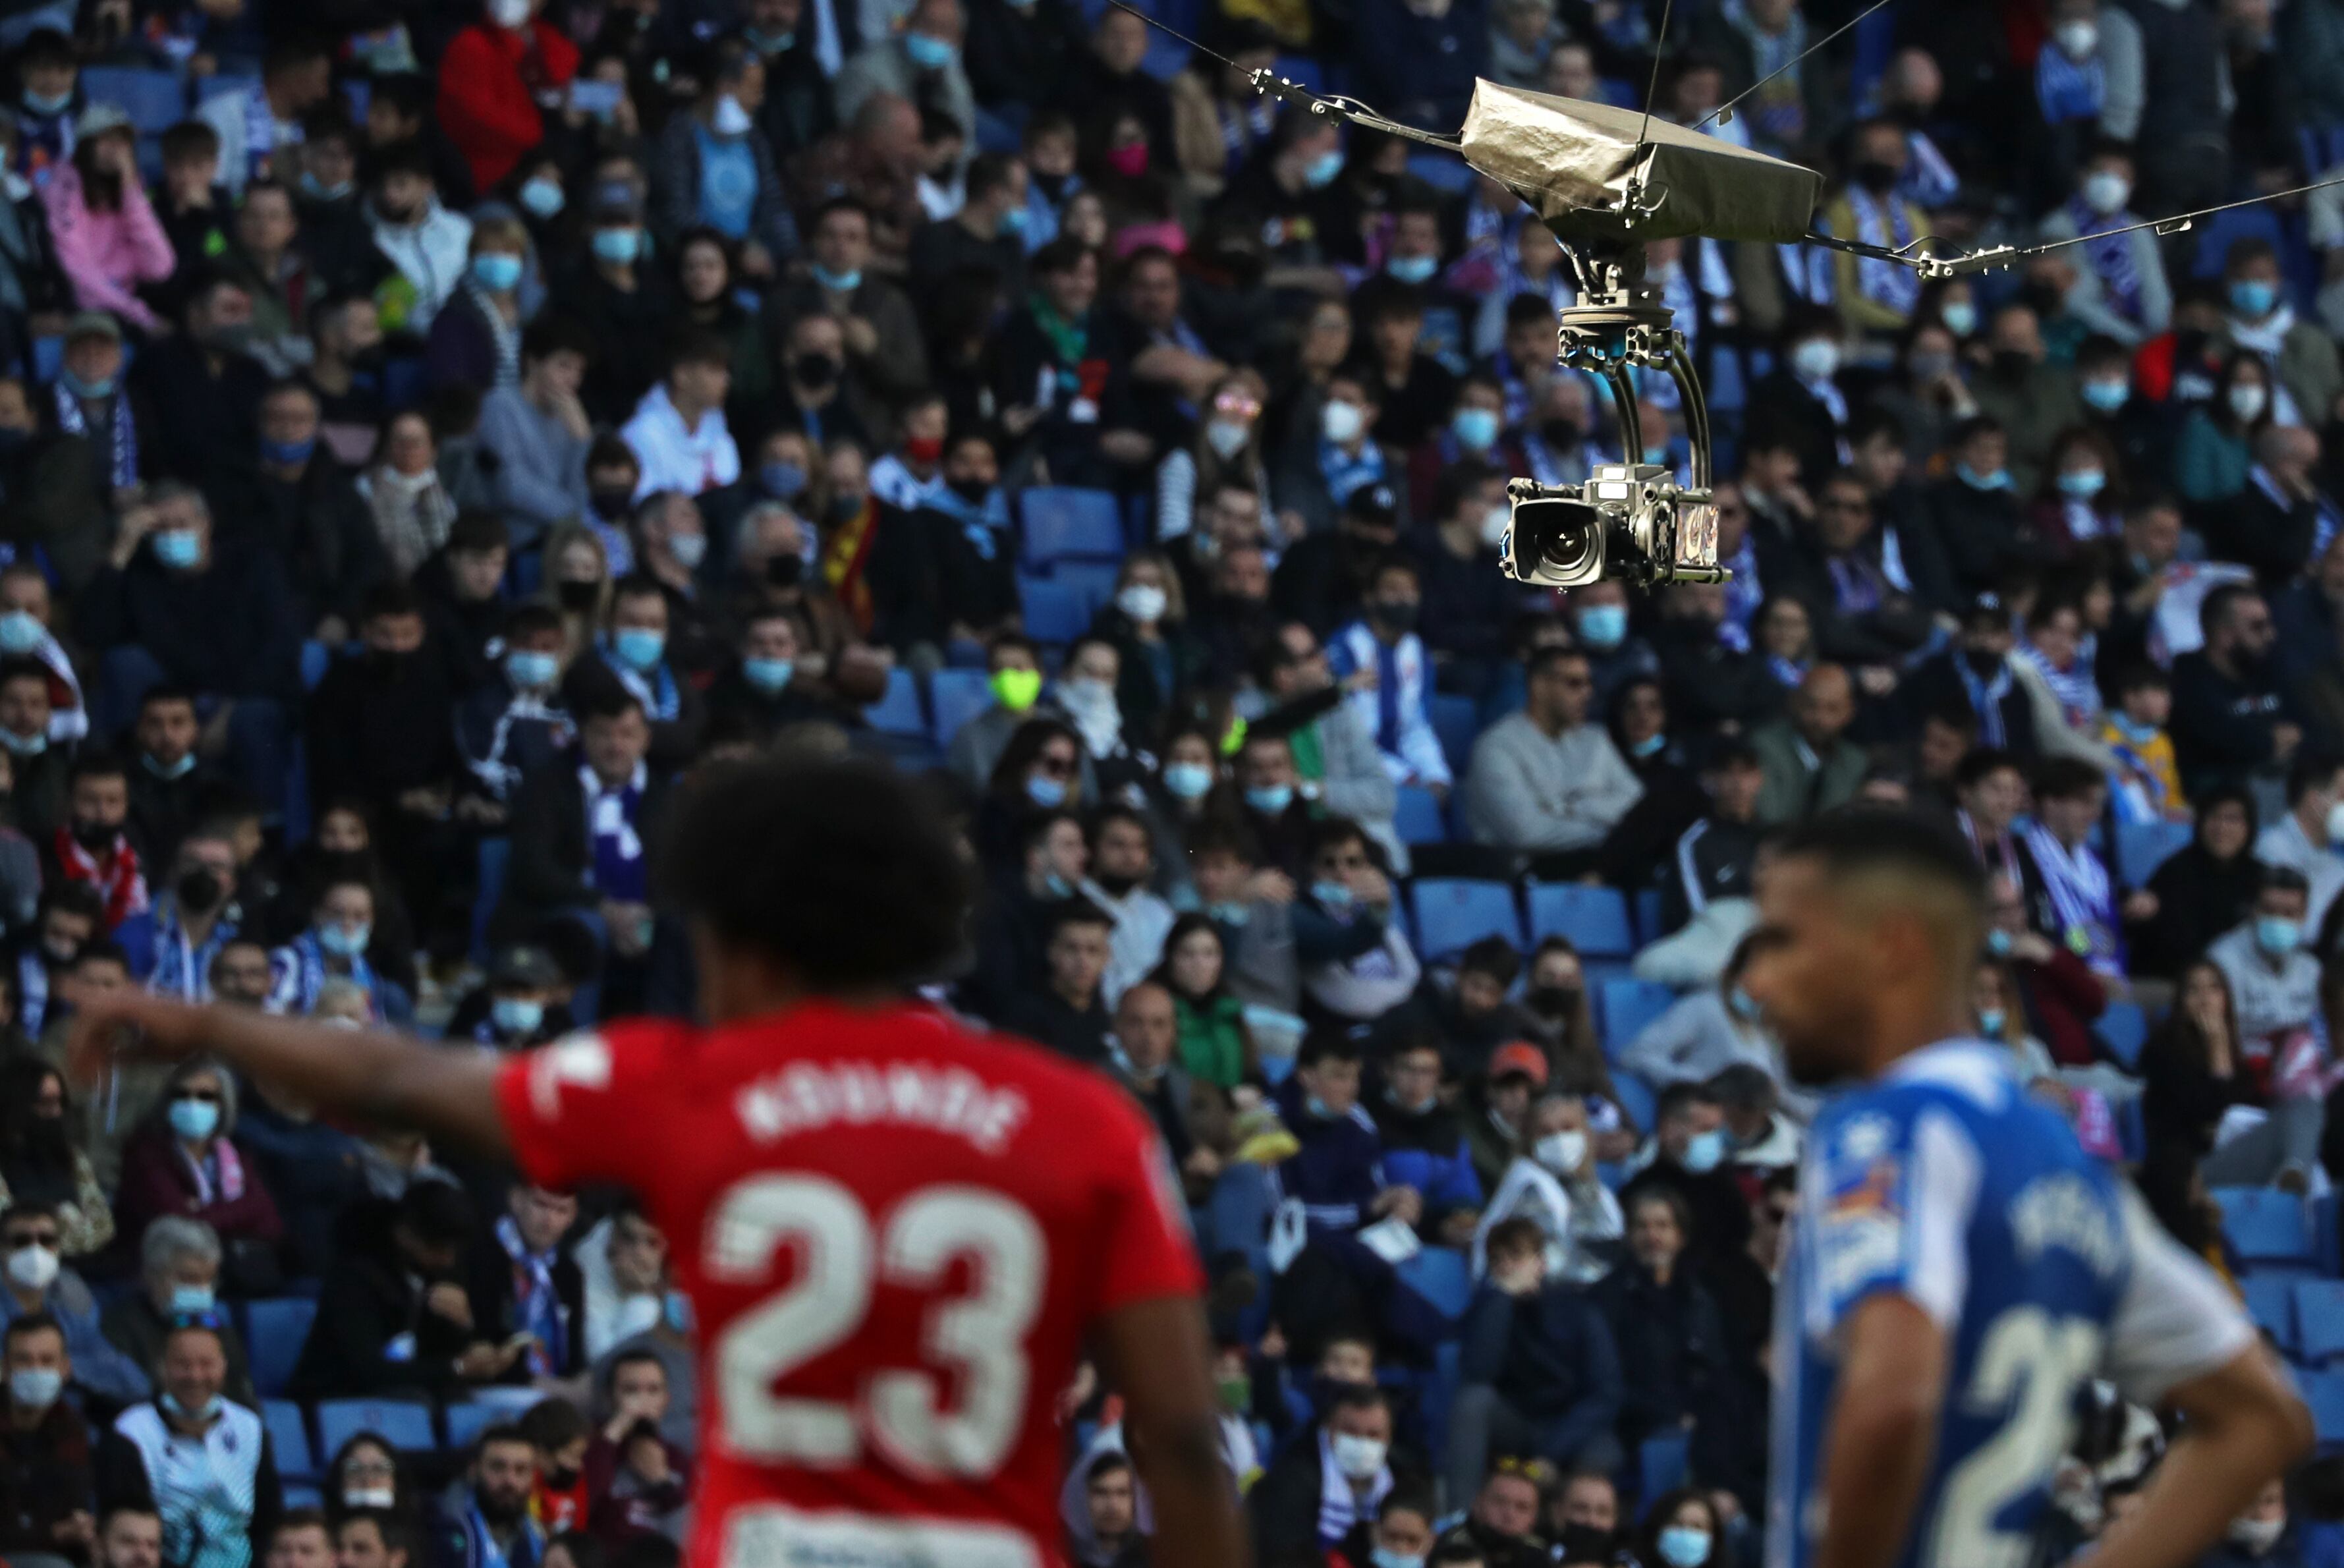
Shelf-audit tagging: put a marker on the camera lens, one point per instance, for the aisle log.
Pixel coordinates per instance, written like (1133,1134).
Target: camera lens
(1560,539)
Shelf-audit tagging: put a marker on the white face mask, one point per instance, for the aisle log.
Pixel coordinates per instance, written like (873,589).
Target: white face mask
(1342,422)
(32,1268)
(368,1497)
(1227,437)
(1562,1152)
(1494,523)
(2336,823)
(2257,1535)
(1143,601)
(2106,192)
(2247,400)
(2078,39)
(1816,359)
(730,118)
(513,14)
(1359,1458)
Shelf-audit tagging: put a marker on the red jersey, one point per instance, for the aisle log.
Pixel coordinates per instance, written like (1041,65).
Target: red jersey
(895,1234)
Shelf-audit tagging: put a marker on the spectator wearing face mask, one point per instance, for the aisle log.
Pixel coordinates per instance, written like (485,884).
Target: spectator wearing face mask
(514,724)
(1701,1035)
(1686,1156)
(2263,1536)
(1384,665)
(426,242)
(1051,859)
(172,944)
(203,1462)
(38,1161)
(493,78)
(334,946)
(185,1161)
(1805,411)
(1332,1482)
(179,1264)
(1552,1183)
(1876,299)
(518,1005)
(45,1448)
(37,1284)
(2300,356)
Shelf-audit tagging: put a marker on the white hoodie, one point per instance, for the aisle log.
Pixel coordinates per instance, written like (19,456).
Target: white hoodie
(674,457)
(430,253)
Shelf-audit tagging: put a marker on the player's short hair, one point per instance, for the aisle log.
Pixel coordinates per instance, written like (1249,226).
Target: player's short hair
(1905,844)
(836,867)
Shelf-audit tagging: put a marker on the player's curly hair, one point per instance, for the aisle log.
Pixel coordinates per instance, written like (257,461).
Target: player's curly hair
(840,868)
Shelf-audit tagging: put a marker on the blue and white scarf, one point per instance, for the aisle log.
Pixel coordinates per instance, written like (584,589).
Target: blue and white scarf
(2078,694)
(537,1304)
(481,1551)
(183,968)
(1985,699)
(1929,182)
(1345,474)
(1340,1508)
(2111,254)
(2083,898)
(658,692)
(613,845)
(1888,225)
(2068,91)
(297,972)
(122,434)
(983,526)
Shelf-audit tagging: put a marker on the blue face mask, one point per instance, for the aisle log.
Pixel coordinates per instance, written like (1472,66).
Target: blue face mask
(532,670)
(195,1119)
(766,43)
(1269,799)
(1385,1557)
(170,1402)
(1334,897)
(21,632)
(677,1310)
(783,482)
(516,1016)
(2105,396)
(1321,172)
(1476,429)
(2082,484)
(179,549)
(768,675)
(2251,296)
(1704,1152)
(1056,886)
(497,271)
(192,1300)
(1412,268)
(345,941)
(1683,1546)
(2277,935)
(1045,792)
(178,770)
(1997,942)
(286,454)
(35,1388)
(1186,781)
(540,197)
(1650,746)
(1998,480)
(1743,1004)
(88,391)
(1604,625)
(928,54)
(618,246)
(836,282)
(48,103)
(1014,221)
(638,648)
(2140,734)
(1318,1108)
(1990,1022)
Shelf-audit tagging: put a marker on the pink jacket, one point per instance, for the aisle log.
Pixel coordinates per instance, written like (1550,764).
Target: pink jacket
(105,254)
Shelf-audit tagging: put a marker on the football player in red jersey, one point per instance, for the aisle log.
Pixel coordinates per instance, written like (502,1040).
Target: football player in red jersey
(898,1235)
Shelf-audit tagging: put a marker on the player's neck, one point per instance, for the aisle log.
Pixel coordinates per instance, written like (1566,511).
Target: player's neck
(1901,1028)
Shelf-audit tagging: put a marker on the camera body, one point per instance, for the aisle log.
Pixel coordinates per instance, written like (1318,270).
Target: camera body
(1629,522)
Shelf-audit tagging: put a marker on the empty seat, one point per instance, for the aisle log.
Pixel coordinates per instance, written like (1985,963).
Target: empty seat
(1623,1009)
(1417,817)
(2324,1392)
(2318,1319)
(275,1332)
(954,697)
(288,1438)
(2143,847)
(1661,1464)
(466,1421)
(1637,1102)
(1092,583)
(1456,720)
(1452,913)
(1053,611)
(2124,1028)
(897,711)
(2264,1225)
(1440,1275)
(402,1423)
(155,100)
(2270,1302)
(1595,919)
(1061,524)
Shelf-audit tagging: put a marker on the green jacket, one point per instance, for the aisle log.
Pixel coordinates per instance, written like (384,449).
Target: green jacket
(1213,1039)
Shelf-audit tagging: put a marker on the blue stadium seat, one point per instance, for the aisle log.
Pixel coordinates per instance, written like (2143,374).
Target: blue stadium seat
(2143,847)
(48,357)
(954,697)
(2124,1028)
(2264,1225)
(1650,915)
(1453,912)
(220,86)
(2326,1243)
(289,1437)
(1063,523)
(1441,1275)
(1661,1465)
(2324,1392)
(1091,581)
(466,1421)
(2270,1302)
(275,1330)
(403,1423)
(1418,818)
(1456,720)
(1594,919)
(1441,171)
(897,713)
(1053,611)
(488,886)
(155,100)
(1637,1101)
(2318,1317)
(1623,1009)
(1302,70)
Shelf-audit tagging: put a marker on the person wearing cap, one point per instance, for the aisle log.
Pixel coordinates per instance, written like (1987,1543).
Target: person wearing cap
(1979,675)
(1322,579)
(89,402)
(107,238)
(523,1003)
(1498,1108)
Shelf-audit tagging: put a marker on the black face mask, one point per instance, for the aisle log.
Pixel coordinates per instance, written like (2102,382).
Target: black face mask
(972,490)
(1117,885)
(1585,1544)
(561,1480)
(1552,1001)
(814,371)
(843,508)
(578,596)
(1982,664)
(1560,432)
(199,892)
(2012,364)
(1399,615)
(611,503)
(96,836)
(1879,178)
(784,570)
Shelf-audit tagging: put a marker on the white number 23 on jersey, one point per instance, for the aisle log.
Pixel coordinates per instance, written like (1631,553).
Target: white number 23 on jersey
(841,1257)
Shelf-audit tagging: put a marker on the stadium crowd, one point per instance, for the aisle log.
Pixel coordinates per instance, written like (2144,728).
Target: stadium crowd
(427,430)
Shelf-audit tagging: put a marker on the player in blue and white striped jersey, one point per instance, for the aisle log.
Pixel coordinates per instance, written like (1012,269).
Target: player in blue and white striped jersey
(1959,1267)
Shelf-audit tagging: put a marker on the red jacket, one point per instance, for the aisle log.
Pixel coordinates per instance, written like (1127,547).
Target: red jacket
(491,81)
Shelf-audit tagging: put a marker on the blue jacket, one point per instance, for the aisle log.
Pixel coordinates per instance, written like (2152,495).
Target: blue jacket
(1427,1150)
(1553,1356)
(98,1366)
(1338,1170)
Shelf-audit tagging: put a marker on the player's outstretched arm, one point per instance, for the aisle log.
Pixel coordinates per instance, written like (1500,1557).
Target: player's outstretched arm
(370,1072)
(1884,1430)
(2244,1426)
(1155,1354)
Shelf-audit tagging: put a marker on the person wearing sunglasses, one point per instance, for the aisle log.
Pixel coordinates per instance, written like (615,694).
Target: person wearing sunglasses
(184,1162)
(33,1280)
